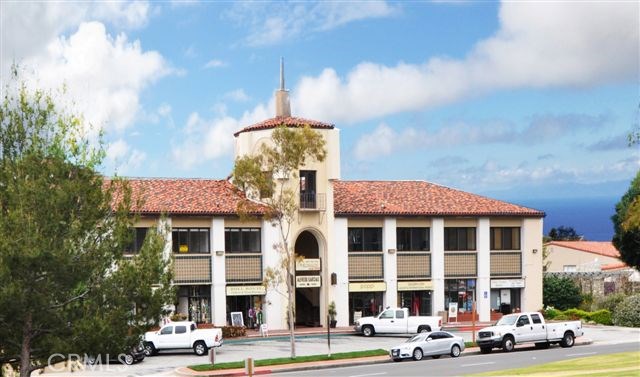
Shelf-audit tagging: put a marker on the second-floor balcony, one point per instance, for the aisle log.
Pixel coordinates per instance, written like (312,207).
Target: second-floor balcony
(312,202)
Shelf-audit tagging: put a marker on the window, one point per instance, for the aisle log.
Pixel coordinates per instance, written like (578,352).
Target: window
(137,240)
(190,240)
(181,329)
(459,239)
(523,320)
(399,314)
(242,240)
(569,268)
(412,239)
(387,314)
(535,318)
(365,239)
(167,330)
(505,238)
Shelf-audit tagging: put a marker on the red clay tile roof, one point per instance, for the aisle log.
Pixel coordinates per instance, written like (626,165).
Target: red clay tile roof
(614,266)
(287,121)
(605,248)
(188,196)
(416,198)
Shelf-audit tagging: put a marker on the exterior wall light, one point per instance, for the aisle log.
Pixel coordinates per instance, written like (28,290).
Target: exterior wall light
(535,251)
(219,252)
(391,251)
(334,278)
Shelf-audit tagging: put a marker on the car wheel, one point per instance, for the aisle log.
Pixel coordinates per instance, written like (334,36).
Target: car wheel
(436,356)
(485,350)
(368,331)
(149,349)
(567,340)
(128,359)
(507,344)
(200,348)
(417,354)
(455,350)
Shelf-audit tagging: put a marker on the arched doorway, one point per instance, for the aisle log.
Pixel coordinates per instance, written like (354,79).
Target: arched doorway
(308,280)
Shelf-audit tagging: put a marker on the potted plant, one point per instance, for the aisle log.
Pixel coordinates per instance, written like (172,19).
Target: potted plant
(332,314)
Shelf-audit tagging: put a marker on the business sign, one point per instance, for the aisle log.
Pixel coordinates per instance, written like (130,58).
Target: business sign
(453,310)
(374,286)
(309,281)
(246,290)
(424,285)
(507,283)
(308,264)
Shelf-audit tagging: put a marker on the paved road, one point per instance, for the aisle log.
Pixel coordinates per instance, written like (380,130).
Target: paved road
(165,364)
(470,363)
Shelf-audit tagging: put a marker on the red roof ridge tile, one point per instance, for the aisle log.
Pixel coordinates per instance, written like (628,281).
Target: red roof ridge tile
(289,121)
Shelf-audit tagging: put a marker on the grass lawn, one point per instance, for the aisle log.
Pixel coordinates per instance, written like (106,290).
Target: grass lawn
(288,360)
(617,364)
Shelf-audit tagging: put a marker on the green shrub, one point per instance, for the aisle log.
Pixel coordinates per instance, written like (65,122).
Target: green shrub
(610,302)
(561,293)
(550,313)
(561,317)
(575,314)
(233,331)
(628,312)
(602,317)
(587,302)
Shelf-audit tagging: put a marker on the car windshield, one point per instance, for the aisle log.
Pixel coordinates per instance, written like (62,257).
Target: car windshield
(416,338)
(507,320)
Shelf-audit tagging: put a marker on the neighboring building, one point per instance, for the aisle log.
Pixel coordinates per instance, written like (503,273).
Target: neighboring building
(581,256)
(367,244)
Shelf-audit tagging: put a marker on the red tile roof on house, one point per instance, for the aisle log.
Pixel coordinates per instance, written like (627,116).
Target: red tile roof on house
(417,198)
(287,121)
(188,196)
(595,247)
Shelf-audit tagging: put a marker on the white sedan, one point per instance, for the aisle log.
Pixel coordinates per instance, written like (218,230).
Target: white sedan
(434,344)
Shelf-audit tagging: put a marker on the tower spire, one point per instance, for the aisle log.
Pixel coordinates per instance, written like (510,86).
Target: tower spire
(283,107)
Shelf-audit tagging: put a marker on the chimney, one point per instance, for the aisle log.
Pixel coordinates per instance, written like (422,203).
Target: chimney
(283,108)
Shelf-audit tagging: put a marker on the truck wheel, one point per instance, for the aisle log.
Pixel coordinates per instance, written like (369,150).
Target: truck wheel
(149,349)
(424,329)
(485,350)
(507,344)
(567,340)
(200,348)
(455,350)
(368,331)
(417,354)
(542,345)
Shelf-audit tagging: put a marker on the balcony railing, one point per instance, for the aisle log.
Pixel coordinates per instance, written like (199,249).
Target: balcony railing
(312,202)
(192,269)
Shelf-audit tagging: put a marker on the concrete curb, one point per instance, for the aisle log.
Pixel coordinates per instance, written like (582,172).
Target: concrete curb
(314,365)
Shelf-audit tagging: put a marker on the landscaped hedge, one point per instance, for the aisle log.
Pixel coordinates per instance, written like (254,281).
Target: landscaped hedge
(601,316)
(627,313)
(233,331)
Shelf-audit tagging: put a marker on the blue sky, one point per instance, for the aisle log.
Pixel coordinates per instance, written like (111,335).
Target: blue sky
(514,100)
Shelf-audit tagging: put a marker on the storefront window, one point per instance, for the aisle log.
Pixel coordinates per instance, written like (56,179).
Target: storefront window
(364,304)
(505,300)
(461,291)
(250,307)
(418,302)
(195,302)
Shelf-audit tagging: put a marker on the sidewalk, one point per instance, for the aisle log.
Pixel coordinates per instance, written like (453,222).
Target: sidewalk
(319,331)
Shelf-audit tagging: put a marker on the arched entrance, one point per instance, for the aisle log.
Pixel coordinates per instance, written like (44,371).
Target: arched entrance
(308,280)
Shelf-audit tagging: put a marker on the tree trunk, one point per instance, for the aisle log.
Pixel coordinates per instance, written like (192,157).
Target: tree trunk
(25,352)
(292,337)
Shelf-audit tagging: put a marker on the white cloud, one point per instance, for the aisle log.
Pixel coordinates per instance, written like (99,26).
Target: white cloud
(123,159)
(549,44)
(203,140)
(271,23)
(237,95)
(103,75)
(215,63)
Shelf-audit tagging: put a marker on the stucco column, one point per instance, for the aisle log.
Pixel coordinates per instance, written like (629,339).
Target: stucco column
(218,273)
(390,269)
(531,234)
(276,305)
(483,284)
(437,264)
(340,265)
(164,228)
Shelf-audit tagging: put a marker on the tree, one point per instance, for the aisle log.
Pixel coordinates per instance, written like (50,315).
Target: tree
(563,233)
(626,225)
(560,292)
(270,175)
(65,286)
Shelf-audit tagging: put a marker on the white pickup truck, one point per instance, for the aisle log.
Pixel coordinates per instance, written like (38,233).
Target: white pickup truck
(531,327)
(397,321)
(182,335)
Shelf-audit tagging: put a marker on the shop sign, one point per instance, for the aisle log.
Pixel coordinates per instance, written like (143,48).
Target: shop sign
(425,285)
(307,281)
(368,286)
(507,283)
(183,248)
(308,264)
(246,290)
